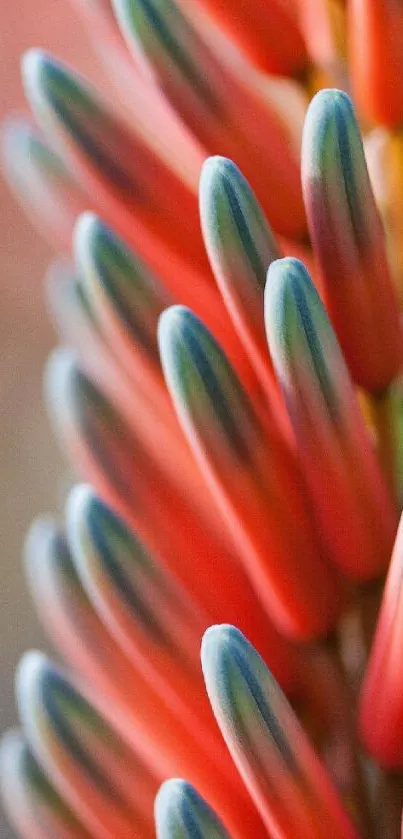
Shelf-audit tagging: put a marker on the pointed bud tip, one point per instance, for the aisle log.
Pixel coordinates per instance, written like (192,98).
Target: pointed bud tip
(287,266)
(229,663)
(33,60)
(69,395)
(61,362)
(215,167)
(51,87)
(86,231)
(169,796)
(181,811)
(11,741)
(60,371)
(40,533)
(330,114)
(328,97)
(324,113)
(283,276)
(217,176)
(30,674)
(170,322)
(80,500)
(216,642)
(12,749)
(35,64)
(15,129)
(82,504)
(188,354)
(297,326)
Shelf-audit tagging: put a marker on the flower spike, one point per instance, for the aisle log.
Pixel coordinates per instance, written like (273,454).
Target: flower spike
(285,778)
(254,478)
(33,806)
(98,775)
(351,502)
(181,813)
(349,243)
(237,479)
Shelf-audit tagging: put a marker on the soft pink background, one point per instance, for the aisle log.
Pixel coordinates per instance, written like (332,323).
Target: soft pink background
(30,464)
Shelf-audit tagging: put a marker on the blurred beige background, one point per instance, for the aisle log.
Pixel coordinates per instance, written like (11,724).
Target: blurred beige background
(30,463)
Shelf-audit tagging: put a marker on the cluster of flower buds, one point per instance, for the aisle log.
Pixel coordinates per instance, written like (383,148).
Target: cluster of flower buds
(227,289)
